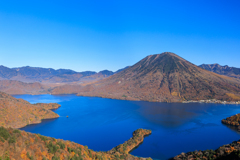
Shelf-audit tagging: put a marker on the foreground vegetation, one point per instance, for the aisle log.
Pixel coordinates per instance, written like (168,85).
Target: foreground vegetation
(229,151)
(20,145)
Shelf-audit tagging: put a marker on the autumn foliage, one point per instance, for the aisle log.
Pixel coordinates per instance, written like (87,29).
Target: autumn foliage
(17,113)
(21,145)
(233,120)
(136,140)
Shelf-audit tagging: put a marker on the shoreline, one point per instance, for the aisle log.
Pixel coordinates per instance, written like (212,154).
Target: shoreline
(37,122)
(213,101)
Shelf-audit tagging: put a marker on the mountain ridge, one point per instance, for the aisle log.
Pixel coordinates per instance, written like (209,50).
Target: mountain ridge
(223,70)
(48,75)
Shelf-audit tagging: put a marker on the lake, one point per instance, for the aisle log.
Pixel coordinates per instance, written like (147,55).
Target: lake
(102,124)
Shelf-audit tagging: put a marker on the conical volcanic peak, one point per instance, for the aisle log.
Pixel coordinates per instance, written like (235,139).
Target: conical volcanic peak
(165,77)
(164,63)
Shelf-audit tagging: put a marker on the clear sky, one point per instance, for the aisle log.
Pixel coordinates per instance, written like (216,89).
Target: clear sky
(111,34)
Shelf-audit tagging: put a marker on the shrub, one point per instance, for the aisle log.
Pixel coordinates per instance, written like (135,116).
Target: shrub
(52,148)
(122,157)
(55,158)
(16,131)
(43,138)
(4,133)
(61,145)
(2,140)
(30,157)
(12,139)
(76,158)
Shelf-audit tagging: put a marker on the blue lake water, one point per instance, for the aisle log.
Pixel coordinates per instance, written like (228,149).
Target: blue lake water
(102,124)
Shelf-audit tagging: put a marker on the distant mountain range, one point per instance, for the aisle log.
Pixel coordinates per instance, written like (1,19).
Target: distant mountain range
(49,75)
(223,70)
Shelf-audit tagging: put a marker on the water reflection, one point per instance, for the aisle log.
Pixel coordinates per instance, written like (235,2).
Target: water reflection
(233,128)
(171,114)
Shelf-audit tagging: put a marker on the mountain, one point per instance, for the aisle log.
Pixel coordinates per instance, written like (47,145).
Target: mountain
(18,113)
(223,70)
(29,74)
(48,75)
(121,69)
(6,73)
(165,77)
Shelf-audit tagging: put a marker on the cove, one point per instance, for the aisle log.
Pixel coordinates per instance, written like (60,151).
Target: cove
(102,124)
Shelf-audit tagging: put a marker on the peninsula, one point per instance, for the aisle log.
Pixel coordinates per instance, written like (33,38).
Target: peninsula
(17,113)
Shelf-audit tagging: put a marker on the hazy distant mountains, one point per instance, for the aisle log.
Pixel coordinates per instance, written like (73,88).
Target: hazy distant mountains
(165,77)
(49,75)
(223,70)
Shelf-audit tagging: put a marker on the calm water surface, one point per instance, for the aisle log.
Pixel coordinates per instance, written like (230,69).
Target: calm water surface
(102,124)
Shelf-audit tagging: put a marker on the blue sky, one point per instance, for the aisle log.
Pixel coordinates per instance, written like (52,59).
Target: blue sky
(110,34)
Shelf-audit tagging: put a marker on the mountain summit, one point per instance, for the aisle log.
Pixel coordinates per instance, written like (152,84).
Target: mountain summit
(165,77)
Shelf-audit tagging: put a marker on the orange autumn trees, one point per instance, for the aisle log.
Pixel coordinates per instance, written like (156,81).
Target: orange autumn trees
(17,113)
(233,120)
(20,145)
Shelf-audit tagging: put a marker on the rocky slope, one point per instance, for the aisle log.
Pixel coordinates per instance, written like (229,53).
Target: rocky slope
(17,113)
(165,77)
(223,70)
(20,145)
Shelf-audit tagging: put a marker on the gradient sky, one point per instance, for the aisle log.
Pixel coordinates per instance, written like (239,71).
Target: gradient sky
(111,34)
